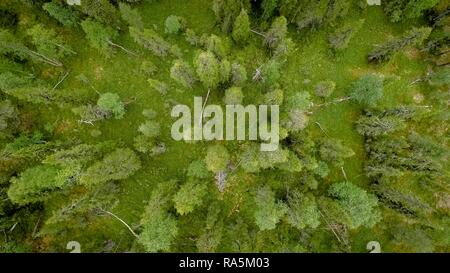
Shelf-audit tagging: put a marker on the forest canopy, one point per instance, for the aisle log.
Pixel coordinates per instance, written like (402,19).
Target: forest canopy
(87,90)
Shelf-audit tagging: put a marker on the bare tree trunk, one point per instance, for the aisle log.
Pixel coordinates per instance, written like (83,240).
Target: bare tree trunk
(259,33)
(63,78)
(45,58)
(121,47)
(331,228)
(203,107)
(65,48)
(122,221)
(320,127)
(335,101)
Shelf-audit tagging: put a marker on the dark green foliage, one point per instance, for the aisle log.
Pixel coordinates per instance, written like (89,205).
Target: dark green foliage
(268,7)
(117,165)
(401,10)
(277,33)
(413,37)
(99,36)
(150,40)
(440,77)
(9,44)
(183,73)
(341,37)
(375,126)
(334,152)
(47,42)
(227,11)
(63,14)
(102,11)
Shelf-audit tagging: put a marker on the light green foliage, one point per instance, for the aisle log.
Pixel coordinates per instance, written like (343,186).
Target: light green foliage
(275,97)
(216,45)
(159,86)
(233,95)
(33,185)
(131,16)
(207,68)
(302,211)
(198,169)
(159,228)
(150,128)
(360,206)
(241,28)
(217,158)
(292,163)
(110,102)
(159,233)
(252,159)
(174,24)
(322,169)
(148,68)
(189,196)
(191,37)
(117,165)
(368,90)
(268,210)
